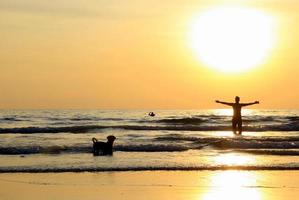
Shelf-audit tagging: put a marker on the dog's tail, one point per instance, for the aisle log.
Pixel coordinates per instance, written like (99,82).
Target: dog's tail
(94,140)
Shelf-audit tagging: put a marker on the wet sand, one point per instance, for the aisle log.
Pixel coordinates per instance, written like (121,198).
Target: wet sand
(174,185)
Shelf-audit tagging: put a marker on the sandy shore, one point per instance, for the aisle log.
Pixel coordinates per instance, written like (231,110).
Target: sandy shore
(151,185)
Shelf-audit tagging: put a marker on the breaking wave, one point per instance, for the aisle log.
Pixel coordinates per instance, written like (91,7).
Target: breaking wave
(93,128)
(143,168)
(173,143)
(88,149)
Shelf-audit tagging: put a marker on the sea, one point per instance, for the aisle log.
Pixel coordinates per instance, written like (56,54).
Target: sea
(60,140)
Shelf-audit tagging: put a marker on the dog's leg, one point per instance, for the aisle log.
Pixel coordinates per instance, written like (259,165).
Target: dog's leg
(95,151)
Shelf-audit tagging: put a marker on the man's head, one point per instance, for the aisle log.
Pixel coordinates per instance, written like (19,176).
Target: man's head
(237,99)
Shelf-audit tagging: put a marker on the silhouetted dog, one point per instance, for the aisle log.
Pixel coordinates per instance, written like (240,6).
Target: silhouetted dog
(104,147)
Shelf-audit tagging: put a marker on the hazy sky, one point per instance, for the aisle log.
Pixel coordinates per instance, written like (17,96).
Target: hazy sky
(132,54)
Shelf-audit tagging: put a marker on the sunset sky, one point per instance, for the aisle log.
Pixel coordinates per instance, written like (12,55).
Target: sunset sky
(134,54)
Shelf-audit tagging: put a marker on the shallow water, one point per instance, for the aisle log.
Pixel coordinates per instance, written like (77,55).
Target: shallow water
(60,140)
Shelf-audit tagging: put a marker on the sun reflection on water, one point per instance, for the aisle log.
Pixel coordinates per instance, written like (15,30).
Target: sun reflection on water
(232,159)
(233,185)
(224,133)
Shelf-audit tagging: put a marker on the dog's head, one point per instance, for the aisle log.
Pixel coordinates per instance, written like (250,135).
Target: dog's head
(111,138)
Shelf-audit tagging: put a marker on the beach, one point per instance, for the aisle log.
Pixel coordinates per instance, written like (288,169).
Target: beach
(175,185)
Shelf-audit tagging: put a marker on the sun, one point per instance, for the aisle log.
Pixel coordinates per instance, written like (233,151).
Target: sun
(232,39)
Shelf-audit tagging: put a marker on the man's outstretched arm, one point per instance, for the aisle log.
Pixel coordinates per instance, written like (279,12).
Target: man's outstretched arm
(248,104)
(225,103)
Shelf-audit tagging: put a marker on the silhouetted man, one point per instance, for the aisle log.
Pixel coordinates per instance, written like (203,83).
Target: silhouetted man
(237,117)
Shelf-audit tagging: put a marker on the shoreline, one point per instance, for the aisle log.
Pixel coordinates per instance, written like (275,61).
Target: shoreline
(155,169)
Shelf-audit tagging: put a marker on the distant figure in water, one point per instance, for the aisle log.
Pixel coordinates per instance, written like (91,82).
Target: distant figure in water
(237,117)
(152,114)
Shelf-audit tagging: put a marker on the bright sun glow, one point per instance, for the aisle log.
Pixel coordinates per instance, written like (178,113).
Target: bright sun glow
(232,39)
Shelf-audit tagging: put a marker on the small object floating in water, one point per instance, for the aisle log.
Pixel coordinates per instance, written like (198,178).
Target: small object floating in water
(152,114)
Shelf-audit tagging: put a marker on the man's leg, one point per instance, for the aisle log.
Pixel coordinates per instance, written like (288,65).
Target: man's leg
(234,126)
(240,126)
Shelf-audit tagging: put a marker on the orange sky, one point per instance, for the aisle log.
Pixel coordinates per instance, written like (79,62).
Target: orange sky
(132,54)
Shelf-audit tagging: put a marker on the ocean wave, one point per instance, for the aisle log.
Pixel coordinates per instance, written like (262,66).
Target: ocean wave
(42,150)
(151,148)
(293,118)
(61,129)
(278,152)
(93,128)
(88,149)
(173,144)
(188,120)
(224,118)
(255,144)
(10,119)
(236,143)
(82,118)
(95,119)
(181,137)
(143,168)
